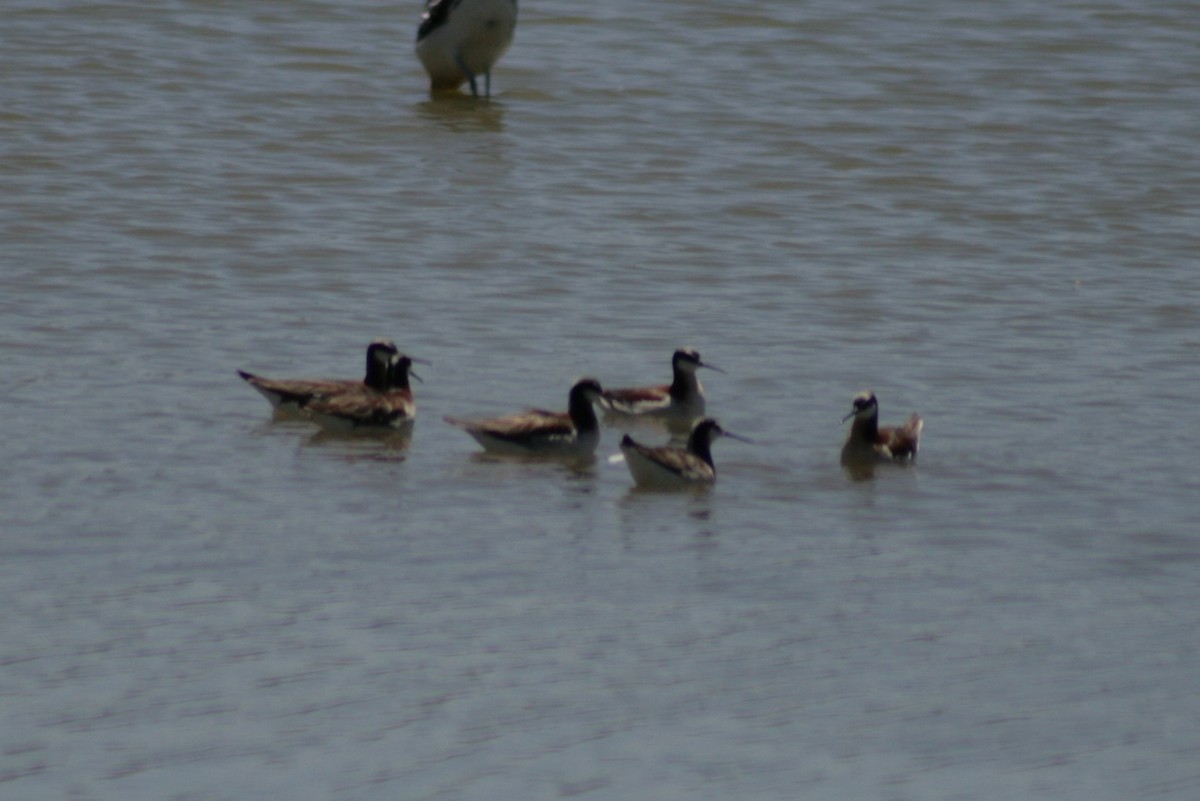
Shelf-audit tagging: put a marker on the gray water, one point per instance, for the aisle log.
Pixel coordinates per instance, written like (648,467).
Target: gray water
(986,212)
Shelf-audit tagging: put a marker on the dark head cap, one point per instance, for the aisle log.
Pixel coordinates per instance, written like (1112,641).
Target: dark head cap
(382,350)
(587,387)
(689,358)
(401,366)
(864,405)
(709,431)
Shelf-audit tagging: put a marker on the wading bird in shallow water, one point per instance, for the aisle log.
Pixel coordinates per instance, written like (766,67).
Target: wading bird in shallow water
(575,432)
(868,443)
(459,40)
(682,399)
(292,395)
(673,468)
(392,407)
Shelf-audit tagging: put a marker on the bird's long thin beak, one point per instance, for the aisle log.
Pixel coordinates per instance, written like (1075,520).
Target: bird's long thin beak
(852,413)
(740,438)
(708,366)
(414,360)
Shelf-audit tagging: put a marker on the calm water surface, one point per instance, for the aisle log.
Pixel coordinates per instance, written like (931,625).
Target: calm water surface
(986,214)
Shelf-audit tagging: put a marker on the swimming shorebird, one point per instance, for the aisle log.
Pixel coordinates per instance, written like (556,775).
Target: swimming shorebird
(669,468)
(292,395)
(868,442)
(682,399)
(459,40)
(575,432)
(368,408)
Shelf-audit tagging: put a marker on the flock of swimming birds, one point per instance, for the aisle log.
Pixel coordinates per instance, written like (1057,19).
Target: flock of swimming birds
(383,401)
(457,42)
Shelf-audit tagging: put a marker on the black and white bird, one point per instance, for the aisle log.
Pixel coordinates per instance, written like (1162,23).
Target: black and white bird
(369,410)
(682,399)
(870,442)
(675,468)
(293,394)
(459,40)
(537,432)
